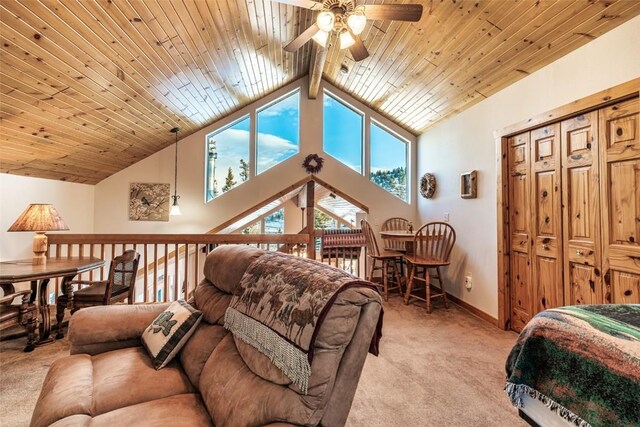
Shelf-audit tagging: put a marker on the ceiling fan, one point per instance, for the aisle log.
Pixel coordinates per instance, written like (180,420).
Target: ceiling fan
(347,21)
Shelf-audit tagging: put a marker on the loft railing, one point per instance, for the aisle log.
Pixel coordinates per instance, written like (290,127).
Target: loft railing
(171,265)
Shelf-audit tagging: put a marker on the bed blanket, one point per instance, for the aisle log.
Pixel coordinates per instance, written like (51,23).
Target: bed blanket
(583,362)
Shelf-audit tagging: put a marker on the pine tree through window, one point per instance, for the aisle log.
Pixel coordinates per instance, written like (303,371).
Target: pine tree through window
(227,158)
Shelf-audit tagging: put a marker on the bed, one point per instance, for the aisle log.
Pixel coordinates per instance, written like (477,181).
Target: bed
(578,365)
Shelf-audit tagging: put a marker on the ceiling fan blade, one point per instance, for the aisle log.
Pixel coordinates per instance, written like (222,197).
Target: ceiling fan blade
(358,50)
(302,38)
(395,12)
(307,4)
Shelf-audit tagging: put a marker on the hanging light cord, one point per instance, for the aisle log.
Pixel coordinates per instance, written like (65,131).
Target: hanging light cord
(175,175)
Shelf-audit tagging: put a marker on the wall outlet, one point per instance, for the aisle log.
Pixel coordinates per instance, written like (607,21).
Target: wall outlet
(446,217)
(468,282)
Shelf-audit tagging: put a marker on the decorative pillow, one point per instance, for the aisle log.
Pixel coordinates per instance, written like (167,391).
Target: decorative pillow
(168,332)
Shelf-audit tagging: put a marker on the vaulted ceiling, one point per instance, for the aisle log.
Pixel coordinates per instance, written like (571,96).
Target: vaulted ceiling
(90,87)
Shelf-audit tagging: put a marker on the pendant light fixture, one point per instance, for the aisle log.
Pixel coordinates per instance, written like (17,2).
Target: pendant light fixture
(175,209)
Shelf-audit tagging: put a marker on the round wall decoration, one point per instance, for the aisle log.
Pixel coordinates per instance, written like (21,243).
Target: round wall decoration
(313,163)
(427,185)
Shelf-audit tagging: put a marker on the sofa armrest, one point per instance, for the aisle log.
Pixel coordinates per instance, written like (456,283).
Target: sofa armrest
(96,330)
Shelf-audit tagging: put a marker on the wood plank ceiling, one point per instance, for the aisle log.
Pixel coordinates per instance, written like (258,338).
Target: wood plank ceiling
(90,87)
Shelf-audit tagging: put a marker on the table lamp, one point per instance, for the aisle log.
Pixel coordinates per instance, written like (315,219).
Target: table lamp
(40,218)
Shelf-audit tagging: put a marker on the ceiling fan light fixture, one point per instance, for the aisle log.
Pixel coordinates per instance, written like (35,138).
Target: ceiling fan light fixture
(326,20)
(357,21)
(346,40)
(321,38)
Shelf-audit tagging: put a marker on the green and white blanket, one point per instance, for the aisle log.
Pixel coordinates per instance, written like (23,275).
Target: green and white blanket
(583,362)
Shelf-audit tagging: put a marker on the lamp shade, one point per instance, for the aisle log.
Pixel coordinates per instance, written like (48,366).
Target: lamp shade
(325,21)
(39,217)
(321,38)
(346,40)
(357,22)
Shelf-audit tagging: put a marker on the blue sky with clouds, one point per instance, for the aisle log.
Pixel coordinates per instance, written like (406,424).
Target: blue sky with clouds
(278,132)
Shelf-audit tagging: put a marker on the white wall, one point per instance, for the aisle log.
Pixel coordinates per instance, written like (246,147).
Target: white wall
(111,206)
(74,203)
(466,142)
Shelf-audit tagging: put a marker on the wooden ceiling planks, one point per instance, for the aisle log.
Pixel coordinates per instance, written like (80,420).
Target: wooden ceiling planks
(90,87)
(95,86)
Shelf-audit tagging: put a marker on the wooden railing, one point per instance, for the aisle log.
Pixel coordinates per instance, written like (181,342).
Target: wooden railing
(170,264)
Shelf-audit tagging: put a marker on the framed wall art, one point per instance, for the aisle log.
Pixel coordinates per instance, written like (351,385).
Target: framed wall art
(149,202)
(469,185)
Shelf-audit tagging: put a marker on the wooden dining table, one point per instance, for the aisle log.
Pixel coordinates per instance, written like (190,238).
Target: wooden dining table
(25,271)
(401,236)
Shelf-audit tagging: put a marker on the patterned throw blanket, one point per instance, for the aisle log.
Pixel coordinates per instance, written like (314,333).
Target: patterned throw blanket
(583,362)
(283,303)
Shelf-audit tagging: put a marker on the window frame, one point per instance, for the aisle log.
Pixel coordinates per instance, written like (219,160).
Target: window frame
(363,138)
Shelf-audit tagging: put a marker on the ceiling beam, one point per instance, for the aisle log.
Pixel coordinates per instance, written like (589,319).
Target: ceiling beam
(318,58)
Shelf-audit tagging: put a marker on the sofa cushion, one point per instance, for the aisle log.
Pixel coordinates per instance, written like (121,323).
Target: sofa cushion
(197,350)
(212,302)
(91,385)
(168,332)
(69,380)
(184,410)
(225,266)
(131,370)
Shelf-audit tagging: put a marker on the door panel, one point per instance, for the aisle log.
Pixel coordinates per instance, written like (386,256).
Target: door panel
(548,293)
(619,134)
(520,290)
(582,283)
(546,214)
(626,288)
(581,213)
(520,265)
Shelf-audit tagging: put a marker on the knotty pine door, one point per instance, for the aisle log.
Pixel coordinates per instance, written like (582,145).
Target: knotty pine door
(619,131)
(581,213)
(546,218)
(519,220)
(574,206)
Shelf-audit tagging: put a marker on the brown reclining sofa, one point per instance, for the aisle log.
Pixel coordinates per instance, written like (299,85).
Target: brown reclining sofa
(216,379)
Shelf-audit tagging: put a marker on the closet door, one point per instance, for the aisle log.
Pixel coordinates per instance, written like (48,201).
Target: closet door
(619,130)
(520,275)
(546,218)
(581,214)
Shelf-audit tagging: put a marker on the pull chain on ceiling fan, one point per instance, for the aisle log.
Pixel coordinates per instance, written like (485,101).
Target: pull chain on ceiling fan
(347,21)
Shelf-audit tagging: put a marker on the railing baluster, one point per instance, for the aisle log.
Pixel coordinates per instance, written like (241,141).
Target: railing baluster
(166,273)
(155,273)
(176,280)
(186,271)
(146,273)
(102,256)
(91,255)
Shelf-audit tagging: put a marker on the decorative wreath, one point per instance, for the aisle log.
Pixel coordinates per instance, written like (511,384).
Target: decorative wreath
(427,185)
(313,163)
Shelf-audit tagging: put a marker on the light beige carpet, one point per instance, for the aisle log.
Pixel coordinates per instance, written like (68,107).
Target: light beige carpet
(443,369)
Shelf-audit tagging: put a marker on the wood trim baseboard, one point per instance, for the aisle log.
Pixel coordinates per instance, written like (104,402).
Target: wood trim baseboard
(474,310)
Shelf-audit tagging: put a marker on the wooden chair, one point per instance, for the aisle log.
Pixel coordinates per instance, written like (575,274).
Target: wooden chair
(24,314)
(432,247)
(119,286)
(388,261)
(395,224)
